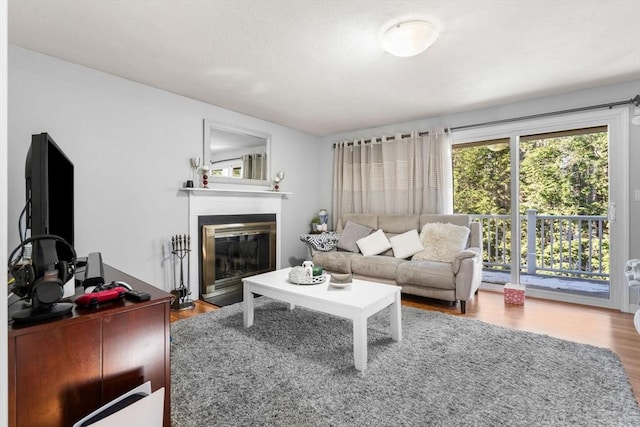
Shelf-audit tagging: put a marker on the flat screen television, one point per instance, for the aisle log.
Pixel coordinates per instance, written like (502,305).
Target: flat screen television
(48,211)
(49,189)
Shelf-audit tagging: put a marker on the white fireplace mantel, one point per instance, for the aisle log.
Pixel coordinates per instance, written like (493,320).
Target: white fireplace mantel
(219,201)
(221,191)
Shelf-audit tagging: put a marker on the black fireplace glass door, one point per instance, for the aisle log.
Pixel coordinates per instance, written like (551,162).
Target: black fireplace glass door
(231,252)
(239,255)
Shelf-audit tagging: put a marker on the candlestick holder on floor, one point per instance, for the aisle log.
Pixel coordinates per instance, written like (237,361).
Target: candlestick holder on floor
(180,248)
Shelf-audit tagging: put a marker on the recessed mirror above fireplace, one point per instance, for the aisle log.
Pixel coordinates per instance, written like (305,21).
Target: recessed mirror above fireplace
(235,155)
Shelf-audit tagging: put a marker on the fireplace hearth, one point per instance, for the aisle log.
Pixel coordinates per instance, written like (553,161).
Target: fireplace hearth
(234,247)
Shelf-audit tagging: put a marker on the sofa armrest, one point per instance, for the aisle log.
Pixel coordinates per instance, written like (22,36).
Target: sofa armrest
(475,235)
(467,269)
(314,251)
(465,254)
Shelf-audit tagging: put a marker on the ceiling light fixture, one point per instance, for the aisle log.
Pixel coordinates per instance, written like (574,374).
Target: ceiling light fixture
(409,38)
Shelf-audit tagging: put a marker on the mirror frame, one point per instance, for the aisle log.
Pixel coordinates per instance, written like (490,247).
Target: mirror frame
(208,125)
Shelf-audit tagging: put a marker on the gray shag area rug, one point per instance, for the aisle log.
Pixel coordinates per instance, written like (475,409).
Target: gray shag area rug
(295,368)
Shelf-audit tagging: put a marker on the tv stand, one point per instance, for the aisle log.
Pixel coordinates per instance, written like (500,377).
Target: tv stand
(63,369)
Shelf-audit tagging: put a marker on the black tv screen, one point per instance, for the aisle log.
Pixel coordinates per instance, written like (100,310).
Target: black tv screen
(49,187)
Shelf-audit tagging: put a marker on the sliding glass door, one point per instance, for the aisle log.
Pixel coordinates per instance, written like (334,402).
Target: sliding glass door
(551,195)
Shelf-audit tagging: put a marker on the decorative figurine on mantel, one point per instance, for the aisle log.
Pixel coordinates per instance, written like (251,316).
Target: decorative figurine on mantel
(277,180)
(204,170)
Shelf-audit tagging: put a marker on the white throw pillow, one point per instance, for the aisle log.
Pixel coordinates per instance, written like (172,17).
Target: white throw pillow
(374,243)
(442,241)
(406,244)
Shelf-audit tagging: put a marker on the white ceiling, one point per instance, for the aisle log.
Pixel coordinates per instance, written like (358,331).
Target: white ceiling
(316,65)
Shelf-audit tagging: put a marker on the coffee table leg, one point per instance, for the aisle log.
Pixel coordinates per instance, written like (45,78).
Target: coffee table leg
(247,309)
(360,343)
(395,318)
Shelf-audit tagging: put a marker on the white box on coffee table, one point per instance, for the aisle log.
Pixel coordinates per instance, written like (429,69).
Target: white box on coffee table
(356,302)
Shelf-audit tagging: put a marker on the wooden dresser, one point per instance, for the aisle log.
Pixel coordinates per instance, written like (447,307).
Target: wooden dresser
(61,370)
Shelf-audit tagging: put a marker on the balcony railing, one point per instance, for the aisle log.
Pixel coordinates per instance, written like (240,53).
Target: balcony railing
(571,246)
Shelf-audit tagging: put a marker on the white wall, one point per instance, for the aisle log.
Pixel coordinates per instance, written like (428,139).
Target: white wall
(131,145)
(595,96)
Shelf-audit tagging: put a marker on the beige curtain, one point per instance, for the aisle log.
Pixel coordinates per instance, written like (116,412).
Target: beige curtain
(410,175)
(254,166)
(259,166)
(246,166)
(439,173)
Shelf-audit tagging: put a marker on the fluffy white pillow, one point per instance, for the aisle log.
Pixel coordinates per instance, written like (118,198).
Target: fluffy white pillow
(374,243)
(442,241)
(406,244)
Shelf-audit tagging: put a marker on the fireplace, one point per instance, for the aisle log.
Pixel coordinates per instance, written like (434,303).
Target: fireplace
(234,247)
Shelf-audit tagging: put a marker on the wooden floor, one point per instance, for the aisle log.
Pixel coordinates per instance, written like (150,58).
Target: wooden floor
(587,325)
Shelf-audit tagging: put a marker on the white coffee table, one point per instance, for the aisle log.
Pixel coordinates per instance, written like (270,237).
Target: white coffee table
(357,302)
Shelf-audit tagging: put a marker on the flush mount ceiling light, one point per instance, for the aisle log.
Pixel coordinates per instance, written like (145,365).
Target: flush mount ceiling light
(409,38)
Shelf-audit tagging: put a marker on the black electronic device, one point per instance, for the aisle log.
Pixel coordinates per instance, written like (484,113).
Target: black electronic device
(42,280)
(93,270)
(137,296)
(49,190)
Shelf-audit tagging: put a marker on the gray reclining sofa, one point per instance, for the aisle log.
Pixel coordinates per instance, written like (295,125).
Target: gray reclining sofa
(450,281)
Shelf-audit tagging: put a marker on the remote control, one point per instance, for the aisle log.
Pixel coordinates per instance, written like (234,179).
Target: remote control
(137,296)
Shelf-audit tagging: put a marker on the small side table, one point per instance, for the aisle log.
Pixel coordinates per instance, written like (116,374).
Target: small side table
(324,241)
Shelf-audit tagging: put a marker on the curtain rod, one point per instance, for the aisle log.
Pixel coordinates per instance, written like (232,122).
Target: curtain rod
(368,141)
(378,139)
(635,100)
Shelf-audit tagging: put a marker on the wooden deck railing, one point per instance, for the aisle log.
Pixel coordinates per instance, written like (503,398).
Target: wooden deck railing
(573,246)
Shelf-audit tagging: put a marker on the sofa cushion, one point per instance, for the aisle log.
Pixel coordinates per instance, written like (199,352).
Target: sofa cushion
(406,244)
(442,241)
(351,234)
(430,274)
(456,219)
(374,244)
(379,266)
(334,261)
(388,252)
(368,220)
(398,224)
